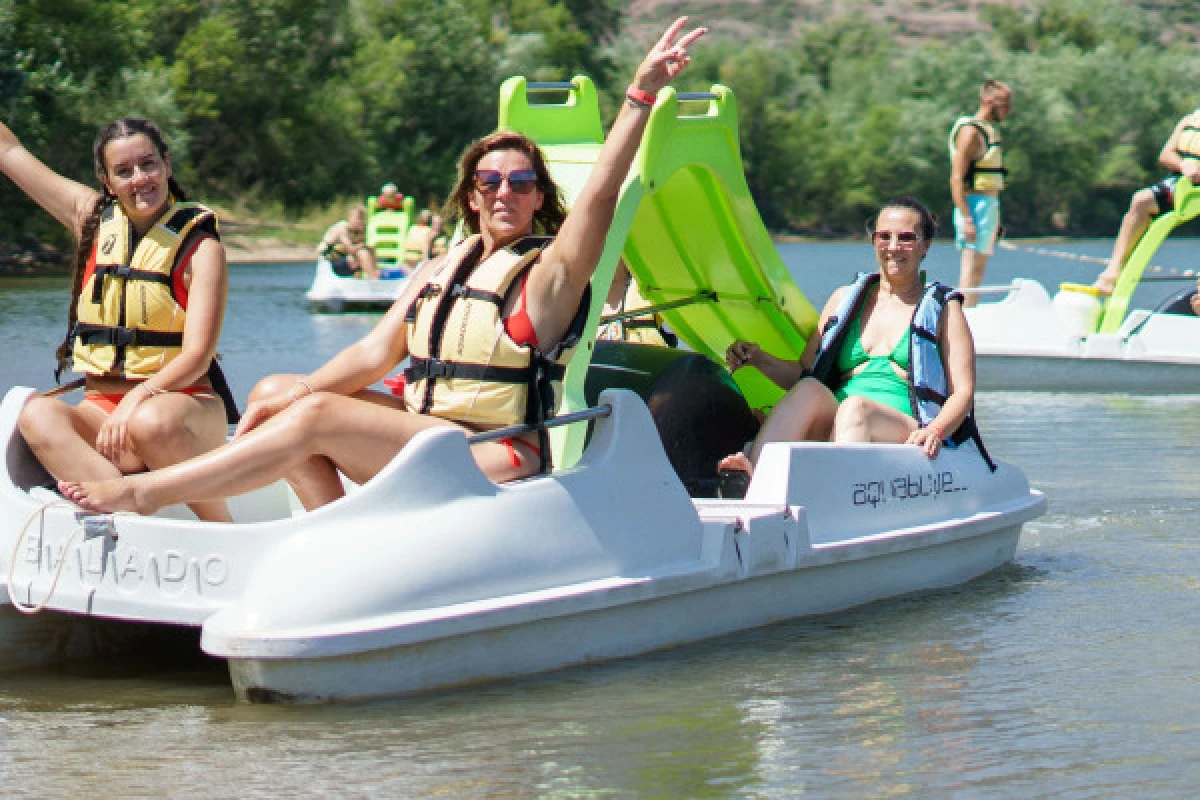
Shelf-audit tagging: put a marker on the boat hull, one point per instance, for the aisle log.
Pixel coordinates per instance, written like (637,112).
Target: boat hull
(1032,373)
(634,628)
(333,293)
(1023,343)
(430,575)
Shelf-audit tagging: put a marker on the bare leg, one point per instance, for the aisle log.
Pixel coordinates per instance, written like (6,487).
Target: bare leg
(63,438)
(805,413)
(315,481)
(971,274)
(862,420)
(365,257)
(359,438)
(170,428)
(1142,208)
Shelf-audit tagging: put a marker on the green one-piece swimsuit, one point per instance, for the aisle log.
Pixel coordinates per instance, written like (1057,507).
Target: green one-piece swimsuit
(878,381)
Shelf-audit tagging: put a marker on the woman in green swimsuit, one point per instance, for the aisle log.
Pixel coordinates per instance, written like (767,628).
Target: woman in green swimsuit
(869,399)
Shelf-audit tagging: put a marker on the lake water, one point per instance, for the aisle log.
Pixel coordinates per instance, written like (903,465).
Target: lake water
(1069,673)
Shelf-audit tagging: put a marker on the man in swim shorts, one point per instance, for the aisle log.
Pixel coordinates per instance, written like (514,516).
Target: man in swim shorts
(1181,155)
(345,247)
(976,179)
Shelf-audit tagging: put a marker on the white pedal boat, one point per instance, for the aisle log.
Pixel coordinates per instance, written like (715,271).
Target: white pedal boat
(1027,342)
(332,292)
(431,576)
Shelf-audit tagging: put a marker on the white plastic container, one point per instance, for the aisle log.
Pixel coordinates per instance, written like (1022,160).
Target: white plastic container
(1078,308)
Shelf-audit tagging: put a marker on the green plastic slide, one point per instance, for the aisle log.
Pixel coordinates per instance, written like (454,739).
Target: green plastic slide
(1187,207)
(685,223)
(386,231)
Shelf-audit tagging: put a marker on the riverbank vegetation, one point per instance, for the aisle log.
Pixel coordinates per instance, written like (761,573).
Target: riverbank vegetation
(285,109)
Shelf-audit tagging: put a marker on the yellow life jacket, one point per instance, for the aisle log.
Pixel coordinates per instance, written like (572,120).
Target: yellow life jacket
(419,236)
(647,329)
(987,173)
(1188,145)
(129,321)
(463,364)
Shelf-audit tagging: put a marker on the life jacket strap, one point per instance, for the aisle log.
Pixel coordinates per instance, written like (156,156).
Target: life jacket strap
(423,368)
(124,272)
(90,334)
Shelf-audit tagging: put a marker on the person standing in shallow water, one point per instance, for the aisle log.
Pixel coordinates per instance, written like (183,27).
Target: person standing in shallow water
(512,300)
(145,339)
(977,177)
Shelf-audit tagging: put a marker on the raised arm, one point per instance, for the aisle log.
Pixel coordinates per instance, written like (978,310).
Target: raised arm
(567,266)
(67,201)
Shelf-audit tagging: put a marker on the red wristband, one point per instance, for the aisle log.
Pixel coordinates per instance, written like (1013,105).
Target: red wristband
(936,430)
(641,97)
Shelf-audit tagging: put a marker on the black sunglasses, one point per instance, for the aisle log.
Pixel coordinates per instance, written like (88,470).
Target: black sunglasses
(521,181)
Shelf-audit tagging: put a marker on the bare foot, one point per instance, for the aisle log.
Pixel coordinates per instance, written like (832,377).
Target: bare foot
(119,494)
(736,463)
(1105,283)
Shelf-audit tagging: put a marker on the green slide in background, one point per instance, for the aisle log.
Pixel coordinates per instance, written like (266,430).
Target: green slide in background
(387,230)
(1187,207)
(685,223)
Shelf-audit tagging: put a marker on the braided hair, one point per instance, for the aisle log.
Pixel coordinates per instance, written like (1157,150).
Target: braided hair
(120,129)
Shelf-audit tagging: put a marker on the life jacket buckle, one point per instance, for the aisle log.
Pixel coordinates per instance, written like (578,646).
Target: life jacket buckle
(437,369)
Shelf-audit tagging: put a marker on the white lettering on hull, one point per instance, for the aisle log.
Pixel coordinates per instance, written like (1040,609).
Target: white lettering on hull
(100,560)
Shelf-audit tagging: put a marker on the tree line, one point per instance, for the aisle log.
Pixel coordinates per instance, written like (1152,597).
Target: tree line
(295,103)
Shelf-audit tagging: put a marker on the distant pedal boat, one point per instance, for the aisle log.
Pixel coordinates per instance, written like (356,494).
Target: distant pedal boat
(1028,342)
(334,293)
(1080,342)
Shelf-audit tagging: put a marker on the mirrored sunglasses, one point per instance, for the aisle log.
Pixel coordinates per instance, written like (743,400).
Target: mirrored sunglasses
(521,181)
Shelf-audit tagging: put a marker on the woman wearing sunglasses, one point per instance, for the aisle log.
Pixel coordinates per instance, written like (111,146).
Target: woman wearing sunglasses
(895,361)
(487,328)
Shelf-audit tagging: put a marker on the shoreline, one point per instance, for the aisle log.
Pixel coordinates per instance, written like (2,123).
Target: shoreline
(247,250)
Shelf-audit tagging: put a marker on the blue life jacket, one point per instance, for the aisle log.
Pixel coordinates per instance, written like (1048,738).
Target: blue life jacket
(927,384)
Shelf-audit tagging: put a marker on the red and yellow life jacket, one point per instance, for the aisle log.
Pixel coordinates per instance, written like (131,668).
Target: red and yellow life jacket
(131,311)
(464,365)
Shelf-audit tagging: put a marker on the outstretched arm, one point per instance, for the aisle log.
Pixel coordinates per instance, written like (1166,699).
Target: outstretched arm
(782,372)
(354,368)
(67,201)
(559,279)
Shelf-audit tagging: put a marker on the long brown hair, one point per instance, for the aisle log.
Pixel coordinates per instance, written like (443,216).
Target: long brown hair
(120,129)
(548,219)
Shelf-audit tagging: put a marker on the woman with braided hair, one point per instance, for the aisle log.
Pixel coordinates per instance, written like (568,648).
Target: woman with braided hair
(148,298)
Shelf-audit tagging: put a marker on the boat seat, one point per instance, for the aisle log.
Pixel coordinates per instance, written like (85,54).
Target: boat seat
(699,411)
(1178,303)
